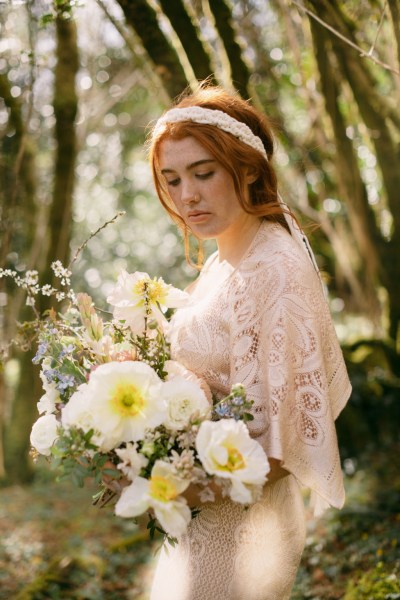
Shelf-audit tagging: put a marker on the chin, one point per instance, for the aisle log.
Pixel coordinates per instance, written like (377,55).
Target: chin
(206,233)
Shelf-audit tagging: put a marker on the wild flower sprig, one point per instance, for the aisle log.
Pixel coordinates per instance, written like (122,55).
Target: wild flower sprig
(234,406)
(29,281)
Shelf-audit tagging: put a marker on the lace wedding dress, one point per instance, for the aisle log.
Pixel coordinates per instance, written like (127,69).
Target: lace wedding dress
(266,325)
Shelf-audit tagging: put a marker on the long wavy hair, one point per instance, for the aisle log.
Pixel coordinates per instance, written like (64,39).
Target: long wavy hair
(235,156)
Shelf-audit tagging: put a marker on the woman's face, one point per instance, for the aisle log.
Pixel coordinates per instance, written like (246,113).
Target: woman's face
(201,189)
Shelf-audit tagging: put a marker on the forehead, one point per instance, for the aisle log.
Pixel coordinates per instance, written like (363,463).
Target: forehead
(174,154)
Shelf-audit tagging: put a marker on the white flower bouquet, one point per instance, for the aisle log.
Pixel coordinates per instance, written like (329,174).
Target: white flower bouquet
(117,408)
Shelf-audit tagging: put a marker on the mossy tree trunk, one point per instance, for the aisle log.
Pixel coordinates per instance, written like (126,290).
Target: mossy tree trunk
(383,122)
(394,7)
(18,214)
(17,462)
(143,20)
(350,184)
(240,72)
(190,38)
(65,110)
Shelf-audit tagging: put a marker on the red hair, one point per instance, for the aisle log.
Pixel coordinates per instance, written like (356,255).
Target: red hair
(238,158)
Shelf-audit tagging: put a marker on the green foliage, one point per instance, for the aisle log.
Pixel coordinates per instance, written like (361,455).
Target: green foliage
(54,546)
(371,417)
(70,461)
(361,538)
(59,8)
(378,583)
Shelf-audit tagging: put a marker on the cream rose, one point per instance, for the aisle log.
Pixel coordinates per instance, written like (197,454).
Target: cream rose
(44,434)
(184,399)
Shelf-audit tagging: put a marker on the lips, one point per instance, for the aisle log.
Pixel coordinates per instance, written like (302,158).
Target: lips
(197,213)
(197,216)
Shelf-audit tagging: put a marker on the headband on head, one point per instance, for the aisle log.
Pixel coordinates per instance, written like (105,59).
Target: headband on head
(218,118)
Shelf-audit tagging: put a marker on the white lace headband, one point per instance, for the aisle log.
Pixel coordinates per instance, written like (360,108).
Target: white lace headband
(218,118)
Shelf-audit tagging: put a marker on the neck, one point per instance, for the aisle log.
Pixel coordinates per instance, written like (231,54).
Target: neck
(233,243)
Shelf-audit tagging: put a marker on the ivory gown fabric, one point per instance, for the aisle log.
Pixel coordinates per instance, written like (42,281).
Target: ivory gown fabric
(266,325)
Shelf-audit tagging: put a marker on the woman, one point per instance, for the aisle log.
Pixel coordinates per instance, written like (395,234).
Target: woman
(258,317)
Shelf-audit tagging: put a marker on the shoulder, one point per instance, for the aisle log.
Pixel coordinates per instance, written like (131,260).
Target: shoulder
(277,274)
(274,250)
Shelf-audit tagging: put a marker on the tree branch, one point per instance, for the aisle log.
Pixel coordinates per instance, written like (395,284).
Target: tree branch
(345,39)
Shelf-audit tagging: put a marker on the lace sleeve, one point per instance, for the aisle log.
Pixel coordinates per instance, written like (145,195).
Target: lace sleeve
(285,352)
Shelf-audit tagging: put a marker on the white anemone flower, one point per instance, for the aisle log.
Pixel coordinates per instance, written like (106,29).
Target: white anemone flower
(44,433)
(226,450)
(161,493)
(184,399)
(136,292)
(132,461)
(123,399)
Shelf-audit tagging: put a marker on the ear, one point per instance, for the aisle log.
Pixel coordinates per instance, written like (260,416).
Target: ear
(251,175)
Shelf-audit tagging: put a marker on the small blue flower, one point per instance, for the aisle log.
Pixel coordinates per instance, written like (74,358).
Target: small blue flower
(41,351)
(237,401)
(52,375)
(223,410)
(67,350)
(65,381)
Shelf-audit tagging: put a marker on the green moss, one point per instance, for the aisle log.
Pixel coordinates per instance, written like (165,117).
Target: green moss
(376,584)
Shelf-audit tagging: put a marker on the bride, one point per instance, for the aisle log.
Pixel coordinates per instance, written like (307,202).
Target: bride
(258,317)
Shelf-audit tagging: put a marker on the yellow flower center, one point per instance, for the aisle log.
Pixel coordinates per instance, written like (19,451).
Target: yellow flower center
(127,400)
(162,489)
(153,289)
(235,460)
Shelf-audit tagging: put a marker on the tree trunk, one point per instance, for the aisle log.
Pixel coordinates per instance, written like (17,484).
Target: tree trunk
(18,220)
(350,184)
(376,114)
(65,109)
(190,38)
(18,181)
(240,72)
(394,7)
(18,465)
(143,19)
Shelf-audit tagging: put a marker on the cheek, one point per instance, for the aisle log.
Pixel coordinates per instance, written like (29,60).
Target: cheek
(174,199)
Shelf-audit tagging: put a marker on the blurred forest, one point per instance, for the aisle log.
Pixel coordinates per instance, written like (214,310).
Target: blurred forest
(79,83)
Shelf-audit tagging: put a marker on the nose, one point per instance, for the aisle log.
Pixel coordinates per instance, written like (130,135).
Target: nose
(189,194)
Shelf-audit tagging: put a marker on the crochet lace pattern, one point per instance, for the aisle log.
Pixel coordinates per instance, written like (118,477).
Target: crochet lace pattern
(218,118)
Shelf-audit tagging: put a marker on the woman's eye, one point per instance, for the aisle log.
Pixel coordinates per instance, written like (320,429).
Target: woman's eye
(205,175)
(173,182)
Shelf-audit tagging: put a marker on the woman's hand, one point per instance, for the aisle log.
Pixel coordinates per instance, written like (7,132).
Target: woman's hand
(193,492)
(276,472)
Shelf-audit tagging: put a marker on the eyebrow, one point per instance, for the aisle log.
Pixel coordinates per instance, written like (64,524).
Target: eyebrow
(193,165)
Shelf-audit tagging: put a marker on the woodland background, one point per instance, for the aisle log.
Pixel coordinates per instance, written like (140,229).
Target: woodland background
(79,84)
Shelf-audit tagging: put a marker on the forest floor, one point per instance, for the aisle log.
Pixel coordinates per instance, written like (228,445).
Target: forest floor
(54,545)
